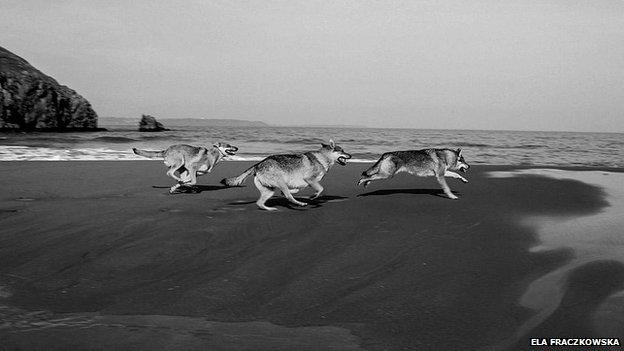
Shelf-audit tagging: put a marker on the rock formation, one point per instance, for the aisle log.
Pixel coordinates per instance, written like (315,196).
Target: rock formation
(31,100)
(150,124)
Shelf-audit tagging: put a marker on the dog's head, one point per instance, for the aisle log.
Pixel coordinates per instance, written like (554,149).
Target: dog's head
(461,164)
(226,149)
(336,153)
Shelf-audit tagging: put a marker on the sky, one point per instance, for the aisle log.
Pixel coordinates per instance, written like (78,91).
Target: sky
(442,64)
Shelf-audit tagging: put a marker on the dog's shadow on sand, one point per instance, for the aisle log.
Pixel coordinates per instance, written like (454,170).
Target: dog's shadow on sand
(283,202)
(432,192)
(195,189)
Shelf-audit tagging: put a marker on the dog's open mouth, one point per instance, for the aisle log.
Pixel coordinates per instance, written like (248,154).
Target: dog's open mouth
(463,169)
(341,161)
(231,152)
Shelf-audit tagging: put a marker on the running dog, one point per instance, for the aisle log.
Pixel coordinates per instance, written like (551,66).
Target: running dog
(427,162)
(291,173)
(189,161)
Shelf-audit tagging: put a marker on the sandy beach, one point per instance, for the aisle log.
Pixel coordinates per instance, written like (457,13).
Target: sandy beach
(97,255)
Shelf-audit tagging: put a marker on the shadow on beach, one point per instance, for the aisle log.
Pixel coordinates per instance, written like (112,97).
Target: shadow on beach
(196,189)
(382,192)
(283,202)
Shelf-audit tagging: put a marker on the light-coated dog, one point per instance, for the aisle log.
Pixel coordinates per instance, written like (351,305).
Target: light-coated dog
(186,162)
(438,163)
(292,172)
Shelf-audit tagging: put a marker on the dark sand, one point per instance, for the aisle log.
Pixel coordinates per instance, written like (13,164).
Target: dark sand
(97,255)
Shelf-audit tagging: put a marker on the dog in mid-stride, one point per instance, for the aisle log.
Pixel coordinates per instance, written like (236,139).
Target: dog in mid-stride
(186,162)
(290,173)
(439,163)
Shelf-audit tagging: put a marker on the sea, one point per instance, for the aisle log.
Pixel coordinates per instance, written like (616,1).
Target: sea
(365,144)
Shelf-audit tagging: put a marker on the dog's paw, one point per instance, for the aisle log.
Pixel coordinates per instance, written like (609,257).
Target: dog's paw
(465,180)
(453,197)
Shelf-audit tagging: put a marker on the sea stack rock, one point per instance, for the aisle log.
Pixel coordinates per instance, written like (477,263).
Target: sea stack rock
(150,124)
(31,100)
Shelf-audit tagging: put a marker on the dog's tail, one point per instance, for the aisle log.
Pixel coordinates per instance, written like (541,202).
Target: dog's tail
(237,181)
(150,154)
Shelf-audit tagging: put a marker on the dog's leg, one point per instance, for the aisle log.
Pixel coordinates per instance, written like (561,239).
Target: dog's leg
(265,194)
(386,169)
(174,188)
(172,170)
(289,196)
(445,187)
(366,181)
(455,175)
(191,178)
(172,173)
(184,176)
(294,191)
(318,188)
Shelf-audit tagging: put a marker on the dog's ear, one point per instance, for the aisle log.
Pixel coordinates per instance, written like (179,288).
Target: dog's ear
(324,145)
(459,151)
(216,145)
(331,143)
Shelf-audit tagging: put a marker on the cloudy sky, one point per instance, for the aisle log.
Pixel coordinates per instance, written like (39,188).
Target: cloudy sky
(479,64)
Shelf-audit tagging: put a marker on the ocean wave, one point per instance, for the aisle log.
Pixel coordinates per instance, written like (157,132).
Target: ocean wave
(366,145)
(472,145)
(305,141)
(27,153)
(45,140)
(154,137)
(114,139)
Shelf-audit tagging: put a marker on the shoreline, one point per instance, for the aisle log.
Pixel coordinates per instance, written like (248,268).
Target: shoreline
(395,265)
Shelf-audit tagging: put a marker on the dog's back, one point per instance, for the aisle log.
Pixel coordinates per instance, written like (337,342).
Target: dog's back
(182,153)
(418,162)
(173,152)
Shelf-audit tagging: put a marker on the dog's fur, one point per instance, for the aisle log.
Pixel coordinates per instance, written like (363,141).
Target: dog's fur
(427,162)
(290,173)
(189,161)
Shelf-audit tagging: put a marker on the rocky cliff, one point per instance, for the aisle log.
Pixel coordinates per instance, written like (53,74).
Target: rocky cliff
(31,100)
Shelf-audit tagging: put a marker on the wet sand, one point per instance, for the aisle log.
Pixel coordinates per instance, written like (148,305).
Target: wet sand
(97,255)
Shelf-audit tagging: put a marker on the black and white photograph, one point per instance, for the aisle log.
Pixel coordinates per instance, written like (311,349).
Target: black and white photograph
(340,175)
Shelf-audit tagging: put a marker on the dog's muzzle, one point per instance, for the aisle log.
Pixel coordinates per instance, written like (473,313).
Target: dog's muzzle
(231,151)
(463,169)
(342,160)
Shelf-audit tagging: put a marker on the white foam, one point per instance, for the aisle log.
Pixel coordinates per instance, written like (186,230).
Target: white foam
(30,153)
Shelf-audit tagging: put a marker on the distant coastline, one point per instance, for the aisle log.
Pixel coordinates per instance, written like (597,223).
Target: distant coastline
(214,122)
(184,122)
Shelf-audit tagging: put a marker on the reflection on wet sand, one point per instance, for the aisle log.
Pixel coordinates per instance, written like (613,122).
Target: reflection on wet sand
(596,243)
